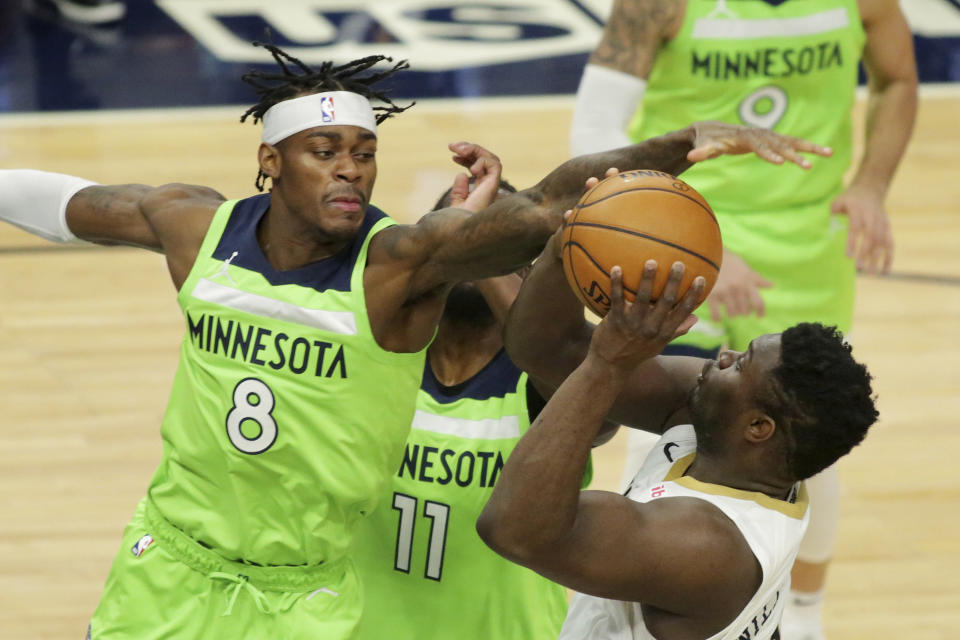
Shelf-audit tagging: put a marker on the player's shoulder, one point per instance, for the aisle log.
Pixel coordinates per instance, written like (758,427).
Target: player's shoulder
(705,566)
(707,533)
(179,196)
(181,213)
(711,523)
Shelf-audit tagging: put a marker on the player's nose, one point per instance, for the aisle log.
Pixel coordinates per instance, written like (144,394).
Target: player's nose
(727,358)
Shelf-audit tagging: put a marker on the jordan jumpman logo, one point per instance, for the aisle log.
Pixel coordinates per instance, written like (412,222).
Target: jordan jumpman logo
(224,270)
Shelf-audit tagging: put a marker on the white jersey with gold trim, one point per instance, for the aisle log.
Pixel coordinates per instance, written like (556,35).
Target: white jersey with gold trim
(773,529)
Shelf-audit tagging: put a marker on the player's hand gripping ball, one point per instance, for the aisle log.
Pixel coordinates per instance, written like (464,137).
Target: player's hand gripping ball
(633,217)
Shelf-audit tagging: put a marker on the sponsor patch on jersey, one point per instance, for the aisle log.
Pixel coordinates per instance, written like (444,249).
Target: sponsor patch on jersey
(657,491)
(141,546)
(326,109)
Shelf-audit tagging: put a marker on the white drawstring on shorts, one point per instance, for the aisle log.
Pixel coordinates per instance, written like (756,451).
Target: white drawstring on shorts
(241,582)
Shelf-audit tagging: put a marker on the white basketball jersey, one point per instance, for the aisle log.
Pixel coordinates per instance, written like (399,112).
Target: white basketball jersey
(773,529)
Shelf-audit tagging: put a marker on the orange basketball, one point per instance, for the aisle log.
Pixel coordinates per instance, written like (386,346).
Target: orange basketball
(633,217)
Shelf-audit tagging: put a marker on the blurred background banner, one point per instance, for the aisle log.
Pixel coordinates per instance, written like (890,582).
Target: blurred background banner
(164,53)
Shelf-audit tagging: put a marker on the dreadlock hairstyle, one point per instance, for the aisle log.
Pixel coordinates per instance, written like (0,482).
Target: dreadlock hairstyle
(822,395)
(296,79)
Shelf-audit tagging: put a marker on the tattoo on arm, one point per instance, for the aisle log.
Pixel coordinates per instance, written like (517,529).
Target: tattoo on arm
(112,200)
(124,214)
(634,33)
(452,245)
(111,214)
(564,186)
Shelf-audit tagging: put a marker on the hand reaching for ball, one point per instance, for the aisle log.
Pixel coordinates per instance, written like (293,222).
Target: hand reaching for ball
(592,182)
(633,332)
(712,139)
(554,244)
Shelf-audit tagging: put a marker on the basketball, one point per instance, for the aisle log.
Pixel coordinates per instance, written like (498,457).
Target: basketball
(633,217)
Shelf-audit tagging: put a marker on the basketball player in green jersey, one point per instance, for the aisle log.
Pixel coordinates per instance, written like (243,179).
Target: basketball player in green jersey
(418,554)
(307,314)
(788,65)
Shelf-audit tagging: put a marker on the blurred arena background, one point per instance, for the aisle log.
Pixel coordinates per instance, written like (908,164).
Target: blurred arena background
(89,336)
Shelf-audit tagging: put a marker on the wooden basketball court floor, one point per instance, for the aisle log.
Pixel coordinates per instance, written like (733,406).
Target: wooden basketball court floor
(89,340)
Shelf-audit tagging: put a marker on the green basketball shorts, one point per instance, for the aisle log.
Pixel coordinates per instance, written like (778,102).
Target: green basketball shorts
(164,584)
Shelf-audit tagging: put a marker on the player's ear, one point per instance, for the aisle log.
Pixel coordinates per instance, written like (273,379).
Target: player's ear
(269,159)
(760,427)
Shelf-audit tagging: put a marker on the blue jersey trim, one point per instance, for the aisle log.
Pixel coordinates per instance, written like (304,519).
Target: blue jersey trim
(330,274)
(497,379)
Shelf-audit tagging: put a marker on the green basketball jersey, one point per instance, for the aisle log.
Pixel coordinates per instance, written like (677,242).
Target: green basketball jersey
(426,573)
(790,66)
(286,419)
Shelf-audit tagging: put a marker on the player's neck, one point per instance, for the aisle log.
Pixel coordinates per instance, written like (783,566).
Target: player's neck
(459,352)
(289,242)
(721,470)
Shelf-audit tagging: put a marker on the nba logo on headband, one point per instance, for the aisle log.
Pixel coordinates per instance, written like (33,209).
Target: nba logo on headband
(326,109)
(288,117)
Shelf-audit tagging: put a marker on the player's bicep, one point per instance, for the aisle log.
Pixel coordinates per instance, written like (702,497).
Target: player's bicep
(888,55)
(111,214)
(665,553)
(633,34)
(180,214)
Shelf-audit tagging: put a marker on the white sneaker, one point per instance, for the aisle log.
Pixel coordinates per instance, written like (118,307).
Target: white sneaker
(794,627)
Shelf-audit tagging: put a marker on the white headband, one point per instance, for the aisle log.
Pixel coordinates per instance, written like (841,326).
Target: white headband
(332,108)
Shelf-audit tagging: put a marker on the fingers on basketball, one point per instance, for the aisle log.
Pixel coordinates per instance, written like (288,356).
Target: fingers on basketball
(633,217)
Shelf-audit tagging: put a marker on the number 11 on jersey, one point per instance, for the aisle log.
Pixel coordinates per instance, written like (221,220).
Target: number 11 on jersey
(439,515)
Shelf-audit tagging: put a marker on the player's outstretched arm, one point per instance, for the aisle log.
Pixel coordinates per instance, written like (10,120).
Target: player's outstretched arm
(65,208)
(451,245)
(597,542)
(171,219)
(712,139)
(672,153)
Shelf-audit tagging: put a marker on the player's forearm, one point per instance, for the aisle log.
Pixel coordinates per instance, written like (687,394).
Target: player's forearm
(546,333)
(497,241)
(65,208)
(891,111)
(535,501)
(512,231)
(562,188)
